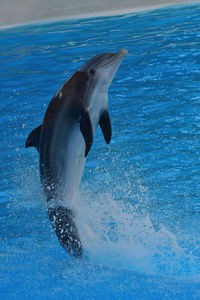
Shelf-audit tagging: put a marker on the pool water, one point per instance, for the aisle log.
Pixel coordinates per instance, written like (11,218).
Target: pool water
(138,208)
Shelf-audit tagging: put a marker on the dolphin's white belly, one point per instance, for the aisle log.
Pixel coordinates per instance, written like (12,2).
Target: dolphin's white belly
(67,161)
(74,162)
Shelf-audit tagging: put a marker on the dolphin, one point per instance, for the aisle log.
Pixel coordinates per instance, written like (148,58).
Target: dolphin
(65,137)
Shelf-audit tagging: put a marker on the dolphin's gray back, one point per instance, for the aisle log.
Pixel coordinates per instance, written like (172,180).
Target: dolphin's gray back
(65,137)
(61,142)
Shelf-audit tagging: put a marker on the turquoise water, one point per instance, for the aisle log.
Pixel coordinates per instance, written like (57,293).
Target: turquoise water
(138,208)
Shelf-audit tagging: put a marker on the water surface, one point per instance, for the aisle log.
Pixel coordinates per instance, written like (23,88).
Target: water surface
(138,209)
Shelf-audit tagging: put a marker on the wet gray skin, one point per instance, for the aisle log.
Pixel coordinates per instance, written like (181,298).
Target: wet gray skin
(65,137)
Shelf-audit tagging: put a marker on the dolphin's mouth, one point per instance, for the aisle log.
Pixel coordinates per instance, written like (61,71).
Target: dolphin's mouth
(118,56)
(122,52)
(104,60)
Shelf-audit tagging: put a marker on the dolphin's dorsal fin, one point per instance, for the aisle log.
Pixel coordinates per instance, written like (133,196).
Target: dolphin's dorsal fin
(105,125)
(86,129)
(33,139)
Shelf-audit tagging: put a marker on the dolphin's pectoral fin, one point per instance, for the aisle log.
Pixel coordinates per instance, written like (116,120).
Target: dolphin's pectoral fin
(62,221)
(33,139)
(105,125)
(86,129)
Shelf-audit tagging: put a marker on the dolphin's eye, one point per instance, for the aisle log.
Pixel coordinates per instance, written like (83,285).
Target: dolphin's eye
(92,71)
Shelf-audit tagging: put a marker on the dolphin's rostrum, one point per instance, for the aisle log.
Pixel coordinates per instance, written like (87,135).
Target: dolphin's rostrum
(65,137)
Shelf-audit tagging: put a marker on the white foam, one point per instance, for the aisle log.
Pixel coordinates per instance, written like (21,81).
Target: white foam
(120,235)
(117,235)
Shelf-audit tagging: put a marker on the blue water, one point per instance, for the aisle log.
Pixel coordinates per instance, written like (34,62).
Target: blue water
(138,208)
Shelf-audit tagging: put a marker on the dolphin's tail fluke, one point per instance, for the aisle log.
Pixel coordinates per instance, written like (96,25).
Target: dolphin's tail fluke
(62,221)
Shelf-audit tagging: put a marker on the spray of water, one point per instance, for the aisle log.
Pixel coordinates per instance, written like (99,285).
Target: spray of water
(117,233)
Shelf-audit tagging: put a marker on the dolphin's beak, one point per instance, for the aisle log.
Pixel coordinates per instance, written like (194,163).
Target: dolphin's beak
(122,52)
(104,59)
(117,57)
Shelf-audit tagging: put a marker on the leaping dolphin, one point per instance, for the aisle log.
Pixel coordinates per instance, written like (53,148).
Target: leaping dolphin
(65,137)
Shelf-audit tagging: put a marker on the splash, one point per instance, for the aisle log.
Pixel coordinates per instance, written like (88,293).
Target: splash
(118,235)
